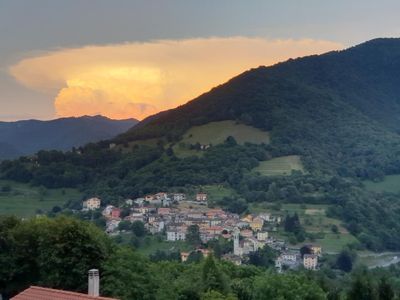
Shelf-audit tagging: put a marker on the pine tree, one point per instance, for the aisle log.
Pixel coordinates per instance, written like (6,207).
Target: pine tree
(385,290)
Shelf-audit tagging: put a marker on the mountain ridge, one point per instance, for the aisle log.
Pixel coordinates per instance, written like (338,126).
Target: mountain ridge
(26,137)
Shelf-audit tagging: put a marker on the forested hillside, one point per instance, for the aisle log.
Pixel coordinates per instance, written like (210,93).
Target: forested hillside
(336,113)
(338,110)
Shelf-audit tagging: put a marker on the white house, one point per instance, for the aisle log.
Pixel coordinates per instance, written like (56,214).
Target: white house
(202,197)
(107,210)
(176,235)
(92,204)
(262,235)
(112,225)
(178,197)
(129,202)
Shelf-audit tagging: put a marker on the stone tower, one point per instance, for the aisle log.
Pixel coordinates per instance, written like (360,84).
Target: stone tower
(236,246)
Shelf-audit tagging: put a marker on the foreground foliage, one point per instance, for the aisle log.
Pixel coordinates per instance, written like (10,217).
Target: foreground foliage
(58,252)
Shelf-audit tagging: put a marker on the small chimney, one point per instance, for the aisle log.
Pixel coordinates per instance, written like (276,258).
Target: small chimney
(94,283)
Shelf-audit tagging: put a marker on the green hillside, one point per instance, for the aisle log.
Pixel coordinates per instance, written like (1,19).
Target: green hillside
(338,110)
(333,116)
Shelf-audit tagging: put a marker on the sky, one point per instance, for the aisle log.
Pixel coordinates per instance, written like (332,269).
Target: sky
(133,58)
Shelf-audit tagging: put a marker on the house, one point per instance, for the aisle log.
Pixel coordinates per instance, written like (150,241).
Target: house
(161,196)
(107,210)
(201,197)
(247,218)
(129,202)
(184,256)
(266,217)
(288,256)
(246,233)
(116,213)
(176,234)
(315,249)
(310,261)
(92,204)
(205,252)
(41,293)
(145,209)
(257,224)
(139,201)
(149,197)
(135,217)
(112,225)
(164,211)
(262,235)
(178,197)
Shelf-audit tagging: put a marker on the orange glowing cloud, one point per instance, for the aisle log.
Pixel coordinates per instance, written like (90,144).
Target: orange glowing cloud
(140,79)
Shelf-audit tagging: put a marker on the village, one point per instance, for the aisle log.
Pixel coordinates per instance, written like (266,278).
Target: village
(171,214)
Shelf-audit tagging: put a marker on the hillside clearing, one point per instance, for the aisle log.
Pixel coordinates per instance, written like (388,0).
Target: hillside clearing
(215,133)
(390,183)
(23,200)
(314,220)
(279,166)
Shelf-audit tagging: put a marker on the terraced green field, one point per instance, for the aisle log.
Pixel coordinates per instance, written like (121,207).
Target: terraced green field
(391,184)
(280,166)
(215,133)
(23,200)
(314,220)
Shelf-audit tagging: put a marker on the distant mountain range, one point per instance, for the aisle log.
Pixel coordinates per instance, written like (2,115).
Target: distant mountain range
(27,137)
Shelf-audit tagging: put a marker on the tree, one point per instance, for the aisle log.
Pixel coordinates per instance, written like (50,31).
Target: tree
(344,261)
(125,275)
(385,290)
(193,235)
(194,257)
(124,225)
(292,224)
(264,257)
(212,277)
(305,250)
(138,228)
(361,289)
(53,252)
(6,188)
(286,287)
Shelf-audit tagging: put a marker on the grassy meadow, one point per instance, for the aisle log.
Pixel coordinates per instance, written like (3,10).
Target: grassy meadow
(280,166)
(215,133)
(313,218)
(24,200)
(390,183)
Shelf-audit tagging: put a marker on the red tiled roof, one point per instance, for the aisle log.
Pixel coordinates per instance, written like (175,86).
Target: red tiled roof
(40,293)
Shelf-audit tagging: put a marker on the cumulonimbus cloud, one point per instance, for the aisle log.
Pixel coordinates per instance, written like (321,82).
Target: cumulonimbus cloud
(140,79)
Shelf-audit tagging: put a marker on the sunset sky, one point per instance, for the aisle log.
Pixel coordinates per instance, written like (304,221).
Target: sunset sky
(132,58)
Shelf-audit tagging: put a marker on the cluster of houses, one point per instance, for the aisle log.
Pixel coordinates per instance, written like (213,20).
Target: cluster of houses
(293,259)
(172,214)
